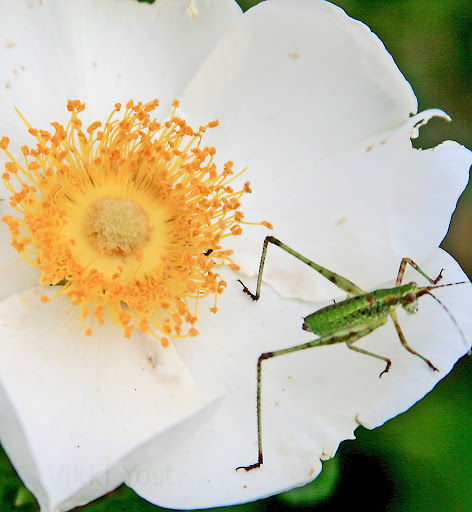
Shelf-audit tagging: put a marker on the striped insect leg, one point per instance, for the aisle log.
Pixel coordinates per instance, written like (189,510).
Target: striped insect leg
(341,282)
(358,333)
(393,314)
(323,340)
(408,261)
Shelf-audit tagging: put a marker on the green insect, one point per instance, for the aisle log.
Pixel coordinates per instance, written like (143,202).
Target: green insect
(349,320)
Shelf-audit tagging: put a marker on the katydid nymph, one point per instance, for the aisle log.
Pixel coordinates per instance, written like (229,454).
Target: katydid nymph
(351,319)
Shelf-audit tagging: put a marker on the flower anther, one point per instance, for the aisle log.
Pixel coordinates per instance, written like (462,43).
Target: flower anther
(124,216)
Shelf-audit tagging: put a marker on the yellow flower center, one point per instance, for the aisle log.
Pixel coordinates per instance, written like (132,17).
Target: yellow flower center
(129,217)
(117,226)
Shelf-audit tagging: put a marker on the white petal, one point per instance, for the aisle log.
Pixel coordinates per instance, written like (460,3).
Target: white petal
(311,400)
(380,202)
(16,274)
(326,138)
(280,79)
(74,407)
(101,52)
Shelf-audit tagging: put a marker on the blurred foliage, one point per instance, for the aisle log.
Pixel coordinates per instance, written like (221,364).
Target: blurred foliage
(421,460)
(317,491)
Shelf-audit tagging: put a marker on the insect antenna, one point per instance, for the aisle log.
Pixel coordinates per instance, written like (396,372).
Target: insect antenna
(427,288)
(427,292)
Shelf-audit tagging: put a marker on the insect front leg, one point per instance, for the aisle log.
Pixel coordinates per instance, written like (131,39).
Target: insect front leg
(408,261)
(323,340)
(393,315)
(341,282)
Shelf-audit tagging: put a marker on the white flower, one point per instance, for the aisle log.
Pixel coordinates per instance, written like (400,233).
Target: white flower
(315,107)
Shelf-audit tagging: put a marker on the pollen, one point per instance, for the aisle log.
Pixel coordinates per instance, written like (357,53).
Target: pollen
(117,226)
(126,217)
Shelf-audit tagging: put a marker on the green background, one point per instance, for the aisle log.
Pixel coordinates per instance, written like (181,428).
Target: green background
(421,460)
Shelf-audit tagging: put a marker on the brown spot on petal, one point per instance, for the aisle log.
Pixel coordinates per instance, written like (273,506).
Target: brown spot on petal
(152,360)
(325,456)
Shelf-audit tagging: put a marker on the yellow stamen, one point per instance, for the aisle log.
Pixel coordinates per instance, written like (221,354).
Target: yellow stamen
(123,214)
(117,226)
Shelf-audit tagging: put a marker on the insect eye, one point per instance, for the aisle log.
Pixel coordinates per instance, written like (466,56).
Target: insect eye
(410,303)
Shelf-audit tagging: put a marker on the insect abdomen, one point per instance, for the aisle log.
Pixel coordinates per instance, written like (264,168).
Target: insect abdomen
(350,312)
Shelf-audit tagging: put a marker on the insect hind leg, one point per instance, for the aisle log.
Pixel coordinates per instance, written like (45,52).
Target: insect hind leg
(323,340)
(341,282)
(254,296)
